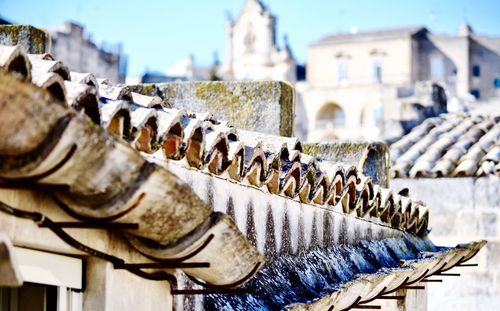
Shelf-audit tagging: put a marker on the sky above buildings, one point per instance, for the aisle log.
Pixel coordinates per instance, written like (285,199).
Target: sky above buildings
(157,33)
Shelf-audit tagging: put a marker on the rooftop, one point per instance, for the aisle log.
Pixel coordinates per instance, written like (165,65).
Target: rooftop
(451,145)
(104,153)
(371,35)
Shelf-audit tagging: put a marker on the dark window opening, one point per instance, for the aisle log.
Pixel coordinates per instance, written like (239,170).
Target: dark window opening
(29,297)
(476,71)
(496,83)
(475,93)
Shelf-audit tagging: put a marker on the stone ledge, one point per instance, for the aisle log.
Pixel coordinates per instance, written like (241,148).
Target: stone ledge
(264,106)
(372,158)
(33,40)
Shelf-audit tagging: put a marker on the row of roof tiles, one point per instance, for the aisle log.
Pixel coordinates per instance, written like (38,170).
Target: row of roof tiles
(336,279)
(453,145)
(271,163)
(96,177)
(366,288)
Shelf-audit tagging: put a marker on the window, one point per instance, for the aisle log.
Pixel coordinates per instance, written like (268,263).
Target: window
(29,297)
(377,71)
(52,282)
(476,93)
(330,116)
(476,71)
(342,71)
(437,68)
(496,83)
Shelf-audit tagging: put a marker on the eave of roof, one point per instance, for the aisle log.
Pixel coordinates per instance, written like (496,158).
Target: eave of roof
(345,276)
(370,35)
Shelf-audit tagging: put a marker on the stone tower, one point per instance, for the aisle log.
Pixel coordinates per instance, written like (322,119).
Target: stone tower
(252,51)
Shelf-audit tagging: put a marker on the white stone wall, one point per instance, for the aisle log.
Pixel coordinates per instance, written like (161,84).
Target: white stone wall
(462,210)
(404,60)
(394,55)
(353,101)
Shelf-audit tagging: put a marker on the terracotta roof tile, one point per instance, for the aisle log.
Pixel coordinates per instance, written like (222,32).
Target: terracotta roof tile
(453,145)
(268,162)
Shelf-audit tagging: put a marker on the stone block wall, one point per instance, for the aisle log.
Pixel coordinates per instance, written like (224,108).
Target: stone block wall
(462,210)
(33,40)
(371,158)
(264,106)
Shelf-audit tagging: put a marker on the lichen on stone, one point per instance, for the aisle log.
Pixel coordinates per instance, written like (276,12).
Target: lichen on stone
(263,106)
(287,102)
(34,40)
(372,158)
(148,89)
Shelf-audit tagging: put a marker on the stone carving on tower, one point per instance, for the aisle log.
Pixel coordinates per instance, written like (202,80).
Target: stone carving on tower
(252,52)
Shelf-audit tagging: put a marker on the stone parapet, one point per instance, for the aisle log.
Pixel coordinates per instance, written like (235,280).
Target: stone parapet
(371,158)
(33,40)
(263,106)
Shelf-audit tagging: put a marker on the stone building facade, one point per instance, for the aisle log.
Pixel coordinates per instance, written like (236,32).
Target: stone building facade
(72,46)
(364,84)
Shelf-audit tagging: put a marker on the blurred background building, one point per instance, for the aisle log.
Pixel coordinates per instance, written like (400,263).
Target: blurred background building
(74,47)
(252,52)
(359,85)
(380,84)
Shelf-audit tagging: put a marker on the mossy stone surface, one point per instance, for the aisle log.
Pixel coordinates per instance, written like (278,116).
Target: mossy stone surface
(148,89)
(34,40)
(372,158)
(262,106)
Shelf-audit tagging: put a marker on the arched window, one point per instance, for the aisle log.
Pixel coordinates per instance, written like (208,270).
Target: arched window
(330,116)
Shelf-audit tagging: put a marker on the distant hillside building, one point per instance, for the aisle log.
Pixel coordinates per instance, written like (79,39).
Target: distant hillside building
(74,48)
(369,84)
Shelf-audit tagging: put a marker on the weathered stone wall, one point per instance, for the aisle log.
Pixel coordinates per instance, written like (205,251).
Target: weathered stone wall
(33,40)
(462,210)
(266,106)
(371,158)
(278,225)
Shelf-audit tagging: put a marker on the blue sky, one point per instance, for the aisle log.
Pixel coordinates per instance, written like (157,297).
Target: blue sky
(157,33)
